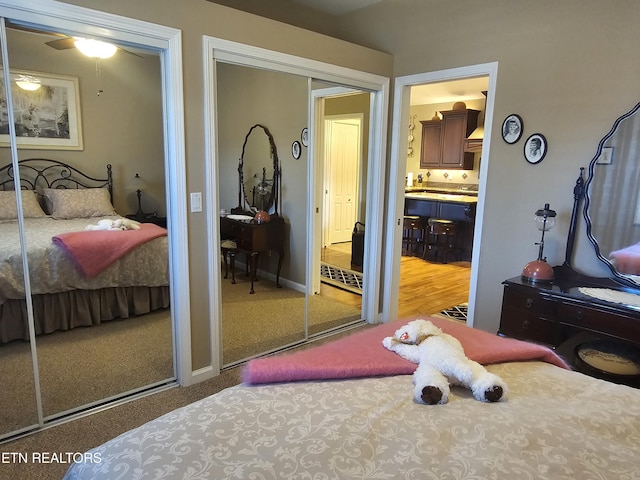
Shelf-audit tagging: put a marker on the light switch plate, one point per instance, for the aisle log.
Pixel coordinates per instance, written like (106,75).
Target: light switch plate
(196,201)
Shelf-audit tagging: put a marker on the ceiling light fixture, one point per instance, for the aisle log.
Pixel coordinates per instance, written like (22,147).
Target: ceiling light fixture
(95,48)
(27,82)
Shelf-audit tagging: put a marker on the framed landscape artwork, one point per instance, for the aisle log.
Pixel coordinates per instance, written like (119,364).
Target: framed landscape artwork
(46,110)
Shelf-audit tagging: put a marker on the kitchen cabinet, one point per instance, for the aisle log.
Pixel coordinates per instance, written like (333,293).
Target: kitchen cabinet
(430,148)
(443,141)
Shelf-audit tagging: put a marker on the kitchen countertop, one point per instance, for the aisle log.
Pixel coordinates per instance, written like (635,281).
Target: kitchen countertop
(442,197)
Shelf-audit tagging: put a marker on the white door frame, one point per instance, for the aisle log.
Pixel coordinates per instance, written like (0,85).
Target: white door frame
(398,165)
(241,54)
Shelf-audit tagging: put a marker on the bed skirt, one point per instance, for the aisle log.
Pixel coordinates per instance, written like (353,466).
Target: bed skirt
(78,308)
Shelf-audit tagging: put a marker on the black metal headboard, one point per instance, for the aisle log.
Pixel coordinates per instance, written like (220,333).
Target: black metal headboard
(39,173)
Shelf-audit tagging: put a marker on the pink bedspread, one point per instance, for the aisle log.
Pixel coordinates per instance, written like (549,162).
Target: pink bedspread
(627,260)
(362,355)
(95,250)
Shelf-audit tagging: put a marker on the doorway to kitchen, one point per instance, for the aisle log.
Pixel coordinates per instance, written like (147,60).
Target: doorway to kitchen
(416,282)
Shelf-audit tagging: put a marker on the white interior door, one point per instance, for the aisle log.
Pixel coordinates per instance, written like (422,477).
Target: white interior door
(343,152)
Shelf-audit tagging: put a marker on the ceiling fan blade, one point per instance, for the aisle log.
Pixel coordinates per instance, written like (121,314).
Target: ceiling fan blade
(62,43)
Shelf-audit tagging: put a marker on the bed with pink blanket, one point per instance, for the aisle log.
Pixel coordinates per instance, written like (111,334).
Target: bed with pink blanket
(345,410)
(76,277)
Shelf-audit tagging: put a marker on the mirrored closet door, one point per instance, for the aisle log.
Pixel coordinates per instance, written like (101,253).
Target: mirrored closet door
(90,155)
(277,287)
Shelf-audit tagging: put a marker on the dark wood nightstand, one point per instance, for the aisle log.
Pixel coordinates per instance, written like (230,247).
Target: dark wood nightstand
(148,218)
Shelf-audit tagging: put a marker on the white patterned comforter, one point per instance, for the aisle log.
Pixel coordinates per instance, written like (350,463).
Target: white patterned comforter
(52,271)
(557,424)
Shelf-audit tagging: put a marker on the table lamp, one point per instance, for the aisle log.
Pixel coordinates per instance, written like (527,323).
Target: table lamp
(138,184)
(539,270)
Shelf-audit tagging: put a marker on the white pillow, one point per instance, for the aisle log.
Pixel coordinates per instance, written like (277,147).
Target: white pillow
(78,203)
(30,206)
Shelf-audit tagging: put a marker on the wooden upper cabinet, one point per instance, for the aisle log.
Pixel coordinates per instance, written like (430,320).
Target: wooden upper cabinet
(430,147)
(443,141)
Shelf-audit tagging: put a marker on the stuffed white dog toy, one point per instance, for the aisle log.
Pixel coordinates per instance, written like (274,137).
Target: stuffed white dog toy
(441,360)
(118,224)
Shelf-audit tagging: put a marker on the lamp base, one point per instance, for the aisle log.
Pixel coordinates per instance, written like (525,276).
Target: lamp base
(537,271)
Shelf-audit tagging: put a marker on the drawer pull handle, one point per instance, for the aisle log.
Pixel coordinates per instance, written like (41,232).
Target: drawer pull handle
(579,314)
(528,303)
(525,324)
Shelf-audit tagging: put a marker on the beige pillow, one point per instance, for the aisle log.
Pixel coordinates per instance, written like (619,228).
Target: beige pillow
(30,206)
(78,203)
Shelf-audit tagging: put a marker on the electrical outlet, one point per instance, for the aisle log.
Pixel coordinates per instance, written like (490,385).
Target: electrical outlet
(196,201)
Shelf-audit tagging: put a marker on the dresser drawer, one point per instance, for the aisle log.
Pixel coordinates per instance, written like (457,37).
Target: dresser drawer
(529,315)
(600,321)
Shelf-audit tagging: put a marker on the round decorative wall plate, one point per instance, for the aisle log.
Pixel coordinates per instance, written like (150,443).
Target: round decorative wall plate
(304,137)
(296,149)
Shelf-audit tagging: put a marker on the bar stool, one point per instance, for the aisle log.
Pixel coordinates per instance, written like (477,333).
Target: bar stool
(413,234)
(441,238)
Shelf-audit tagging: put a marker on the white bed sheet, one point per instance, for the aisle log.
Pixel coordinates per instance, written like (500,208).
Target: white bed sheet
(557,424)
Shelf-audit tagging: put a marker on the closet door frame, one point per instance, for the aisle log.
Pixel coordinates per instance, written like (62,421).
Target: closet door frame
(167,42)
(217,49)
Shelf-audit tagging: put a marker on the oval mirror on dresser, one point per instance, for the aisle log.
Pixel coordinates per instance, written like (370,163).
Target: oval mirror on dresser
(259,172)
(612,199)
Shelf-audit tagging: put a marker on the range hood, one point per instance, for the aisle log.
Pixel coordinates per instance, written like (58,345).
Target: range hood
(473,143)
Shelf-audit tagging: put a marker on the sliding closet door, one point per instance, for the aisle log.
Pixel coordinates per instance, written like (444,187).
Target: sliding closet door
(18,396)
(271,317)
(340,159)
(106,334)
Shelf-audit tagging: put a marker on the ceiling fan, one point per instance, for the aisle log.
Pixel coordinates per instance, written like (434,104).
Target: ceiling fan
(89,47)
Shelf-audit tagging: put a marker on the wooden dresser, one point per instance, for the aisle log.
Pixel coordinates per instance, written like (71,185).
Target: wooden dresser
(560,316)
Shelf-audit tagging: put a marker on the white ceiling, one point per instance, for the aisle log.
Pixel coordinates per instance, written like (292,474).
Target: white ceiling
(336,7)
(449,92)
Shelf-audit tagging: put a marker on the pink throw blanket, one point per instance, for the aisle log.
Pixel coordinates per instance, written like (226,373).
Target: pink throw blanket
(95,250)
(362,355)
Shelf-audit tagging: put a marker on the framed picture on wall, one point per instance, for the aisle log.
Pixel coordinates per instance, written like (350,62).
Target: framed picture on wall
(512,128)
(46,110)
(535,148)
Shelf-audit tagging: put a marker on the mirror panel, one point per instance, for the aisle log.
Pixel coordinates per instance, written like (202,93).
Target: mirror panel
(612,206)
(104,336)
(18,401)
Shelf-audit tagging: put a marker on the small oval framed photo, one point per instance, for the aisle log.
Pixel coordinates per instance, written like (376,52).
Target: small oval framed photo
(296,149)
(512,128)
(535,148)
(304,137)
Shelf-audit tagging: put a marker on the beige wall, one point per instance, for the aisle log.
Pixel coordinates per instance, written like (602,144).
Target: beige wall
(569,69)
(197,18)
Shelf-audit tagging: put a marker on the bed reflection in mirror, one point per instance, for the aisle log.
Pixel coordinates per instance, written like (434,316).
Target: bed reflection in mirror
(101,312)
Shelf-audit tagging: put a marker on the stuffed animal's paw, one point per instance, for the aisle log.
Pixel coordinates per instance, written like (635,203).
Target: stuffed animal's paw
(389,343)
(493,394)
(431,395)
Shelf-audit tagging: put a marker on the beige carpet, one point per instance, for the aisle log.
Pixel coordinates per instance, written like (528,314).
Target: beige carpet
(84,365)
(273,317)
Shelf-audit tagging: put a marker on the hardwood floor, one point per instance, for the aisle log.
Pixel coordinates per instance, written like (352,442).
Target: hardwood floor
(425,287)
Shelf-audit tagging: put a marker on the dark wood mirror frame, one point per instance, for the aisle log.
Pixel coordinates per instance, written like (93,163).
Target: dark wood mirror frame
(617,276)
(245,202)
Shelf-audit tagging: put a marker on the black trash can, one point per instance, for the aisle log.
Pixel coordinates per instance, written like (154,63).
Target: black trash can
(357,246)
